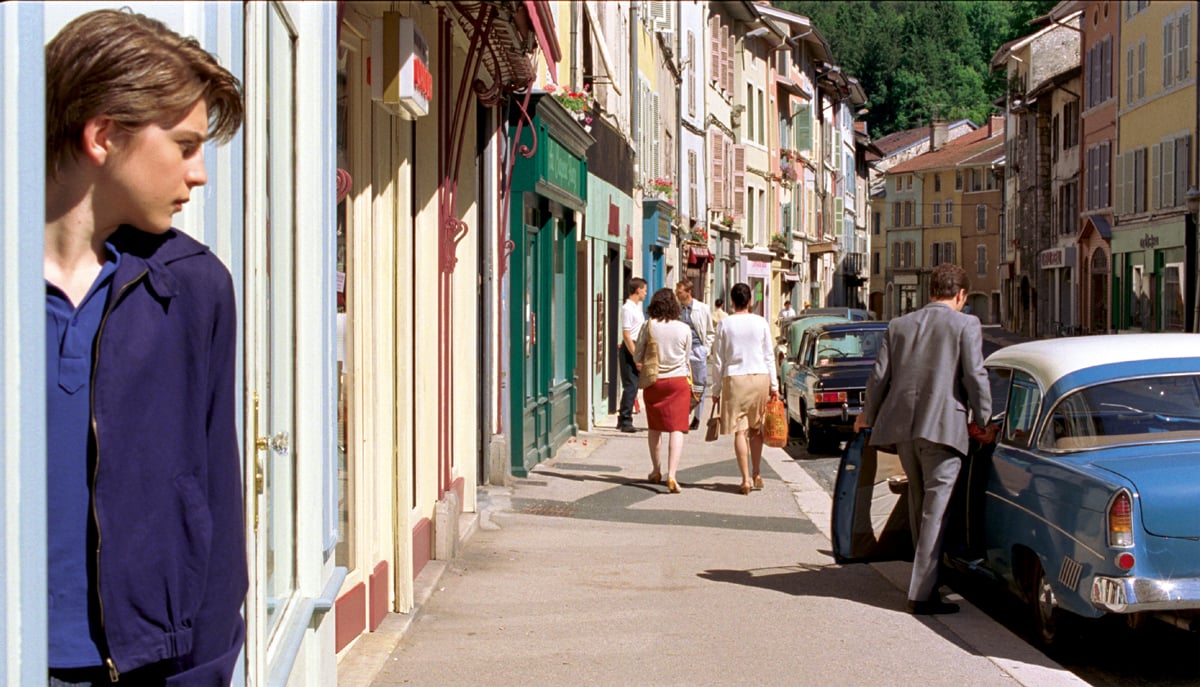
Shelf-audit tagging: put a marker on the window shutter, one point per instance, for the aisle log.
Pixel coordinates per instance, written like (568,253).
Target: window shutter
(1183,56)
(1122,199)
(1106,86)
(714,50)
(693,195)
(717,182)
(839,211)
(1168,53)
(952,251)
(803,128)
(1183,146)
(895,255)
(1129,76)
(725,82)
(1139,180)
(730,54)
(1106,175)
(1167,160)
(657,14)
(656,136)
(1141,76)
(667,20)
(739,180)
(1155,176)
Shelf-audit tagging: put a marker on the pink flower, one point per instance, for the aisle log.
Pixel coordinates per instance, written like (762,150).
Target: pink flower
(550,88)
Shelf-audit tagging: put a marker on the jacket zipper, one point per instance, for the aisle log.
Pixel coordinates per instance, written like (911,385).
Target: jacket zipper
(113,674)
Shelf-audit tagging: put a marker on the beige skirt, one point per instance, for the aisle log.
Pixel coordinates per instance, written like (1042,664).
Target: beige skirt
(743,402)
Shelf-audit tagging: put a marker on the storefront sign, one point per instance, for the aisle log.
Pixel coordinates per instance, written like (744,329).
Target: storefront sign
(562,168)
(758,268)
(1052,258)
(1148,241)
(399,66)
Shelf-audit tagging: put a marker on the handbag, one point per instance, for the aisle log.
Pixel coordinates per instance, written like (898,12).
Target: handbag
(714,423)
(694,395)
(775,424)
(649,372)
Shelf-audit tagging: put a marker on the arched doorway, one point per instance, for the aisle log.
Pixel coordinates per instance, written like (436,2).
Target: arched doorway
(1098,271)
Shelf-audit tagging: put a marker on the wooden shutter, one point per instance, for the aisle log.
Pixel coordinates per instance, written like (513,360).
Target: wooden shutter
(656,136)
(1155,176)
(714,50)
(1168,53)
(1130,74)
(739,180)
(716,192)
(1183,54)
(803,127)
(1122,201)
(1167,161)
(725,82)
(1183,147)
(730,53)
(693,196)
(1106,76)
(1139,180)
(1105,175)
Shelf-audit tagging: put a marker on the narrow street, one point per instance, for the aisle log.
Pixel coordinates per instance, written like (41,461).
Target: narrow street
(584,573)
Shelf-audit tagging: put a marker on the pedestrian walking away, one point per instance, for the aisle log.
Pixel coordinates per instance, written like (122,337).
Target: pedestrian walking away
(927,376)
(743,378)
(147,554)
(632,319)
(697,316)
(718,312)
(668,399)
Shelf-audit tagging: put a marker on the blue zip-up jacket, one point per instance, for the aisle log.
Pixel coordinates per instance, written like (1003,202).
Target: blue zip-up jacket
(167,489)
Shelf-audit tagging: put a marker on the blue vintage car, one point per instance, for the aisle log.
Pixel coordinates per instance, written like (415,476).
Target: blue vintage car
(1089,501)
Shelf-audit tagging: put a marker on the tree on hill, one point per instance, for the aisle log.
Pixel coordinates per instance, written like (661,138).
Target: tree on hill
(918,59)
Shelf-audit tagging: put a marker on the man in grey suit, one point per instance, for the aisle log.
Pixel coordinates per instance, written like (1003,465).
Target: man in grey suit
(928,374)
(698,316)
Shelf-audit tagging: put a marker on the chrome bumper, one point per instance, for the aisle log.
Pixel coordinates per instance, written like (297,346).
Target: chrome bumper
(845,413)
(1137,594)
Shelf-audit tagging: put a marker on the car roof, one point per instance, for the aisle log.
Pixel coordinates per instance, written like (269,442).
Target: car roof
(1049,360)
(848,326)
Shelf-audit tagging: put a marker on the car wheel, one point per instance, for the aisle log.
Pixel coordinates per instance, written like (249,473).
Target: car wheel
(1043,607)
(814,436)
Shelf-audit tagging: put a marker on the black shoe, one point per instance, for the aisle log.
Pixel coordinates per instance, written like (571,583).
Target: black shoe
(695,423)
(937,607)
(628,429)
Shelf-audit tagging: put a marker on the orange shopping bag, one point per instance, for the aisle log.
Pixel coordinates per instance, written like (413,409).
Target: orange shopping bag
(775,424)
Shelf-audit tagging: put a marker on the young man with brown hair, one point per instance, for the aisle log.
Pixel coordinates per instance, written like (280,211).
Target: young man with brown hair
(147,558)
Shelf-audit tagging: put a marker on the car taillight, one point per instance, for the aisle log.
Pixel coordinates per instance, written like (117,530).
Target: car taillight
(1120,520)
(831,396)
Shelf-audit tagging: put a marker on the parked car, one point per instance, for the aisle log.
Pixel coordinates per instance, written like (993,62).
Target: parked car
(788,343)
(1086,504)
(823,389)
(854,314)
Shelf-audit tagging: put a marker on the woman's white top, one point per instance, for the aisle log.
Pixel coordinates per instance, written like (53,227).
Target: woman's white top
(674,341)
(743,347)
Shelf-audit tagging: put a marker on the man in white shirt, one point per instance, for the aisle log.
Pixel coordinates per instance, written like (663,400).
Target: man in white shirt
(696,315)
(787,311)
(632,318)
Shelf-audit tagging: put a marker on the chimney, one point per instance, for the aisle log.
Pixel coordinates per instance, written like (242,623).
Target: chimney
(995,125)
(939,133)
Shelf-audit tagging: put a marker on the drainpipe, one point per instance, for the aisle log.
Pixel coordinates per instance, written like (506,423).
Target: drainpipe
(678,47)
(576,53)
(634,86)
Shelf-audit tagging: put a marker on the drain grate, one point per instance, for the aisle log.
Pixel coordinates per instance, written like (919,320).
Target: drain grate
(558,510)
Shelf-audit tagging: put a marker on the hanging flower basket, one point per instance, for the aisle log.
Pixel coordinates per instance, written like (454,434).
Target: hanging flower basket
(727,221)
(660,186)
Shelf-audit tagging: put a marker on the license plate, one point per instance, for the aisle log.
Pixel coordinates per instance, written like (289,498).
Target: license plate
(1108,592)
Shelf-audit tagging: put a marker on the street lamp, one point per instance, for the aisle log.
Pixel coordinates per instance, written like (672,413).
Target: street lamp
(1192,195)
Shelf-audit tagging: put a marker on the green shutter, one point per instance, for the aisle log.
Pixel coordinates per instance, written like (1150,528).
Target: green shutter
(802,126)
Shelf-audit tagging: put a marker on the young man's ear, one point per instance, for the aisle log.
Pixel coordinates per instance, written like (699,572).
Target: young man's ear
(97,138)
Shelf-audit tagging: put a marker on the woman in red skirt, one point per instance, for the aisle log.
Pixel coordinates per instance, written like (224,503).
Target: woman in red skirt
(668,399)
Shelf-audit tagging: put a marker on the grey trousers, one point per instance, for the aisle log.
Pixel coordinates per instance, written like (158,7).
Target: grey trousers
(932,470)
(698,361)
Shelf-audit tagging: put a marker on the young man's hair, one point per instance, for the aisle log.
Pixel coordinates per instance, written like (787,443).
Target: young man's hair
(636,285)
(720,303)
(663,306)
(135,70)
(685,284)
(740,295)
(946,281)
(787,303)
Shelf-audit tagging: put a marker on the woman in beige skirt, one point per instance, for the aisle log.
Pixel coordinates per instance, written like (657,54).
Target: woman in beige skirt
(744,378)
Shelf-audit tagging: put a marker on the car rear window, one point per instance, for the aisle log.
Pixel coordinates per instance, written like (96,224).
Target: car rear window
(850,346)
(1145,409)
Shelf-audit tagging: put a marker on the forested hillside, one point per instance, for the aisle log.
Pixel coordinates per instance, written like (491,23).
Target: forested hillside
(918,58)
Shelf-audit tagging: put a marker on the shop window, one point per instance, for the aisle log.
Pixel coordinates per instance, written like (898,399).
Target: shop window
(344,551)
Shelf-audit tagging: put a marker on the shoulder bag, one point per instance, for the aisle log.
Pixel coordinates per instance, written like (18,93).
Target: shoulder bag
(649,372)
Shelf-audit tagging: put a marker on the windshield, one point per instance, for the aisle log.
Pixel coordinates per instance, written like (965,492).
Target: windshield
(1128,411)
(848,347)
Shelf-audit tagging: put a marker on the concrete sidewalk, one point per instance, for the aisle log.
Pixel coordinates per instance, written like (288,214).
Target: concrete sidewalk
(585,574)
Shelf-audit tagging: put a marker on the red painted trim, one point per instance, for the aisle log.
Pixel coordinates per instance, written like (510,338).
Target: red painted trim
(422,546)
(379,594)
(543,26)
(350,611)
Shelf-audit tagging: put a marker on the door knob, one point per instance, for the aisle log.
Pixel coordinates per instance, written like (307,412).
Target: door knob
(280,443)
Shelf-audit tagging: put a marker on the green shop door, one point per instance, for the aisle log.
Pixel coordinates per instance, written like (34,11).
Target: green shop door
(546,393)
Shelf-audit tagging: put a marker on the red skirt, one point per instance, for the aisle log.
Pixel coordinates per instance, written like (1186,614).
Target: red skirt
(668,404)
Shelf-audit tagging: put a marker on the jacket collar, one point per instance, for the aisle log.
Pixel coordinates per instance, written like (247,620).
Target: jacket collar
(153,254)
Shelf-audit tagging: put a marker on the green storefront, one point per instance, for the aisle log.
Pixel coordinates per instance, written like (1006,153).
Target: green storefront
(1150,290)
(548,189)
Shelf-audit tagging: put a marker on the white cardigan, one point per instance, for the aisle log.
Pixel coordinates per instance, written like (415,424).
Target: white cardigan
(743,347)
(674,340)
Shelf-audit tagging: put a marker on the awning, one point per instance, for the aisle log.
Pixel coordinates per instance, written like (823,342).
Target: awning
(699,254)
(543,27)
(790,276)
(601,46)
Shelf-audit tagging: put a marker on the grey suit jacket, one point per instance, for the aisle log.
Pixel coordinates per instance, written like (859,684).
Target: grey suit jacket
(928,374)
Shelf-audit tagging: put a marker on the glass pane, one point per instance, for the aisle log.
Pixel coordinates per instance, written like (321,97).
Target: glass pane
(343,554)
(560,296)
(1023,402)
(279,484)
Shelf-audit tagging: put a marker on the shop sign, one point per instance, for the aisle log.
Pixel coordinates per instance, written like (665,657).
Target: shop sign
(399,66)
(1052,258)
(758,268)
(1148,241)
(562,168)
